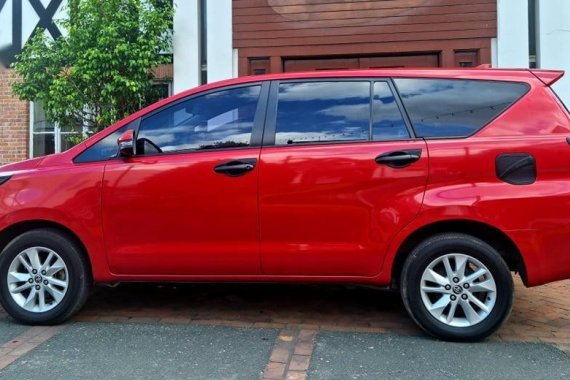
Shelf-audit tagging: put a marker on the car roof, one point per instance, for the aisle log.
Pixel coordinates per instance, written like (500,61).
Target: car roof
(455,73)
(480,73)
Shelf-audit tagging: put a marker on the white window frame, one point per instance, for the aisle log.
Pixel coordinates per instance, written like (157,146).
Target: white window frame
(57,134)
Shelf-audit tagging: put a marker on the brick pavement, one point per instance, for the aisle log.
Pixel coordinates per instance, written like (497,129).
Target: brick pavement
(540,314)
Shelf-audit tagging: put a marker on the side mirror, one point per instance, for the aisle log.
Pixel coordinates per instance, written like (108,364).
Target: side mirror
(126,143)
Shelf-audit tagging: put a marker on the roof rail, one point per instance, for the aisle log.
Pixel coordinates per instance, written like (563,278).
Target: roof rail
(484,66)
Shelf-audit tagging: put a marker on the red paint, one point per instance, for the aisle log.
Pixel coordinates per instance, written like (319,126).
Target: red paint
(331,210)
(305,213)
(188,219)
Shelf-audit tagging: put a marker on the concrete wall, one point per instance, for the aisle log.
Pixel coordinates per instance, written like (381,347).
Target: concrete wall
(511,49)
(553,41)
(186,45)
(220,55)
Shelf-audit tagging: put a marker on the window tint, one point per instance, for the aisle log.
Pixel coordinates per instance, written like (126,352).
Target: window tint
(222,119)
(388,123)
(455,108)
(322,111)
(105,149)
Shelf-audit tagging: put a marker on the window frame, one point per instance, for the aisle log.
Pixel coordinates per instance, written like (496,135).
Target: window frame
(57,133)
(258,121)
(528,89)
(273,103)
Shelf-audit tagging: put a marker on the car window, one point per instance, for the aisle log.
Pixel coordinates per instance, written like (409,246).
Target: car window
(104,149)
(322,111)
(387,120)
(455,108)
(221,119)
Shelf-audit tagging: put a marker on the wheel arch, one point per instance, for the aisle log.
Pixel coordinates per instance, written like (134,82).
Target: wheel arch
(488,233)
(14,230)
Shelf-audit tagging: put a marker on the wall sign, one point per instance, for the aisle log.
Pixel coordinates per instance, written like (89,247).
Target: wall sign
(19,19)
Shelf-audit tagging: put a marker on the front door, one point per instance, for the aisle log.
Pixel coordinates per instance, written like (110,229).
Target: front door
(335,183)
(186,204)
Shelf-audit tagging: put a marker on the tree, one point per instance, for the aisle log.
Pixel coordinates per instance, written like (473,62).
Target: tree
(101,69)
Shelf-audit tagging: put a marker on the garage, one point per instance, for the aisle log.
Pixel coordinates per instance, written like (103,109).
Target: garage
(378,62)
(309,35)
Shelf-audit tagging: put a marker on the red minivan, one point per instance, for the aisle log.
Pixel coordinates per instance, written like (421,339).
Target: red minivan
(438,183)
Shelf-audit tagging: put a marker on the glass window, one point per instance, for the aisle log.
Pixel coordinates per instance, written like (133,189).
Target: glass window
(222,119)
(387,120)
(105,149)
(43,132)
(322,111)
(455,108)
(48,137)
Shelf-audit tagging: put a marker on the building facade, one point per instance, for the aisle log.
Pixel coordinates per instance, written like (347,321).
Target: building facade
(219,39)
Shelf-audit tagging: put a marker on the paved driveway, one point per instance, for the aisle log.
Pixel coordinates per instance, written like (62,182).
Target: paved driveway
(279,332)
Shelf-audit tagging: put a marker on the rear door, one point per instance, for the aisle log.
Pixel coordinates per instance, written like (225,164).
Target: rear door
(340,174)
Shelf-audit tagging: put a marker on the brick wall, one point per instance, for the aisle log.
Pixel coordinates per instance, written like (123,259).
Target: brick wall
(14,121)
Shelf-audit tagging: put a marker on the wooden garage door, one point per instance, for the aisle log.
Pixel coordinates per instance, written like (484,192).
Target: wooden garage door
(316,64)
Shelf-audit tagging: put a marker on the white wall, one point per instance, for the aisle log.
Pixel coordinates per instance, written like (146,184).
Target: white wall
(186,45)
(219,34)
(512,50)
(553,41)
(24,25)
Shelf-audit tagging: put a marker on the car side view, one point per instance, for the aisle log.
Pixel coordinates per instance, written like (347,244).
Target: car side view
(436,183)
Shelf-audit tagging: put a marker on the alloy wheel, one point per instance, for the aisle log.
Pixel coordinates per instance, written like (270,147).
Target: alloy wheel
(458,290)
(38,279)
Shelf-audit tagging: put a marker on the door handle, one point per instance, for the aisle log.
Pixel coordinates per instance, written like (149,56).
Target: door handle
(400,158)
(237,167)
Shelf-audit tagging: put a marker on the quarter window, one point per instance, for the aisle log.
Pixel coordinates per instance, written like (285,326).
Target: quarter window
(222,119)
(455,108)
(104,149)
(322,111)
(388,123)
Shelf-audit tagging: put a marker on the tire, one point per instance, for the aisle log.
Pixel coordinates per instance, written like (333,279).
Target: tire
(62,274)
(480,308)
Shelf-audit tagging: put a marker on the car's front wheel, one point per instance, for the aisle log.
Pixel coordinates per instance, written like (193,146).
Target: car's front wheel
(457,287)
(44,278)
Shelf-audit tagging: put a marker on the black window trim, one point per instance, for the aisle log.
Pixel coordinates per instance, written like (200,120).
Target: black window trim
(402,109)
(272,103)
(528,88)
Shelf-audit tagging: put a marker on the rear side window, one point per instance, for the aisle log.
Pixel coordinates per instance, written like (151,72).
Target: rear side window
(455,108)
(322,111)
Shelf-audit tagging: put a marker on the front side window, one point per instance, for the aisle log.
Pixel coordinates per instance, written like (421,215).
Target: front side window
(221,119)
(312,112)
(453,107)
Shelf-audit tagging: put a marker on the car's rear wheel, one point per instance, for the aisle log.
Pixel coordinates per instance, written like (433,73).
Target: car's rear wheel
(457,287)
(44,277)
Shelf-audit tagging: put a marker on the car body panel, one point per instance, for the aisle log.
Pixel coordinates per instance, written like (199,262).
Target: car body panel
(331,209)
(68,196)
(189,219)
(461,185)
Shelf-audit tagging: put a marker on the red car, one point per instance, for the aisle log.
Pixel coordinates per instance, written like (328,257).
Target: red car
(439,183)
